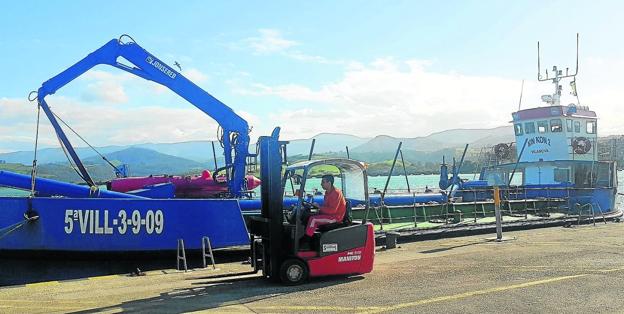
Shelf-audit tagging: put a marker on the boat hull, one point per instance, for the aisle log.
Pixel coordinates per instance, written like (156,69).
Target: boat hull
(119,225)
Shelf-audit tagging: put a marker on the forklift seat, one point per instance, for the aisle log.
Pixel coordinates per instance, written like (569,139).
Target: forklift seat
(346,220)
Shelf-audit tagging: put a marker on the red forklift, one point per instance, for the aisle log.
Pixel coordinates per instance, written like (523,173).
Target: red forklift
(279,247)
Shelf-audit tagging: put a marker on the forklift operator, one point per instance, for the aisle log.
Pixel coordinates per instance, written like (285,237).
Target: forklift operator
(333,209)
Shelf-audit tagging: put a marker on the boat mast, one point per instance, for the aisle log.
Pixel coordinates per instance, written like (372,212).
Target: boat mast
(555,98)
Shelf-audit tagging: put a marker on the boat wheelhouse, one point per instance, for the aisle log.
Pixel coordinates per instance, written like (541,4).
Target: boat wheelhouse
(559,155)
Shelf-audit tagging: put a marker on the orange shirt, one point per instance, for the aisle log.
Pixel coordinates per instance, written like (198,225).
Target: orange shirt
(334,204)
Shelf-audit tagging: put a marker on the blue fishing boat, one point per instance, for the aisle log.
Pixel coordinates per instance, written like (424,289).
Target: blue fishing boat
(72,218)
(556,162)
(552,174)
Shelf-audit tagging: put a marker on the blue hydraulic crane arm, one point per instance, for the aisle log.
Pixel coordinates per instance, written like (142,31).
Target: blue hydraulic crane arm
(147,66)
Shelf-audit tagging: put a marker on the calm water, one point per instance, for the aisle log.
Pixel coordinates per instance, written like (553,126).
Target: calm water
(417,183)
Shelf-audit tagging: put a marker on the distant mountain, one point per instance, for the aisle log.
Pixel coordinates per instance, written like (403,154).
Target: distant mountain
(51,155)
(469,136)
(379,144)
(441,140)
(142,161)
(325,143)
(201,151)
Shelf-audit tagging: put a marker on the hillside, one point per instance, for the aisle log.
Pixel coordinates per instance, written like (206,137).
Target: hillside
(421,154)
(201,151)
(52,155)
(441,140)
(469,136)
(325,143)
(140,161)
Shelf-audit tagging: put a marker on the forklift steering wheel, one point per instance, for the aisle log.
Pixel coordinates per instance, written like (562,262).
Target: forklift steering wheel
(308,206)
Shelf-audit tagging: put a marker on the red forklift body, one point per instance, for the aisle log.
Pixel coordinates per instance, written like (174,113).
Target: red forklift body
(348,250)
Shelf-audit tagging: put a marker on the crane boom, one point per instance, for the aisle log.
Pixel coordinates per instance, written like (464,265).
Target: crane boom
(147,66)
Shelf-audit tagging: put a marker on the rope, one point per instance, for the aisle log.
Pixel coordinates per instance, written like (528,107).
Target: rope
(85,141)
(33,172)
(88,144)
(8,230)
(28,217)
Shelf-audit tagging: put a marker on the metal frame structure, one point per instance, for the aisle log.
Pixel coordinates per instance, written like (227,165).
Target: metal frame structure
(147,66)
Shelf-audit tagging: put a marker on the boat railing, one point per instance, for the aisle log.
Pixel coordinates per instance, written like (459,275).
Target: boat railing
(517,202)
(403,191)
(590,208)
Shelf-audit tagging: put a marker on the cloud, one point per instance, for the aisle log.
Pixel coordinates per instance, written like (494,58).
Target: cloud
(272,41)
(195,75)
(269,41)
(103,124)
(18,124)
(291,92)
(406,99)
(300,56)
(105,86)
(601,91)
(402,98)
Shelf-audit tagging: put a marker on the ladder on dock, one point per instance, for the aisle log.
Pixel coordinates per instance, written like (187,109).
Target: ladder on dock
(206,253)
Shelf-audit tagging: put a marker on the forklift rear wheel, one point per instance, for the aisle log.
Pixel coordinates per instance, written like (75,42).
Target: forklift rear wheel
(293,272)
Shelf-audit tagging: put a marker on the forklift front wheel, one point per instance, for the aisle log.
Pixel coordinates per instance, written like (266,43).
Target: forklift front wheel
(293,272)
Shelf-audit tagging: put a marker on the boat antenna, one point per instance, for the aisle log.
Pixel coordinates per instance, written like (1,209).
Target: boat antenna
(555,98)
(521,90)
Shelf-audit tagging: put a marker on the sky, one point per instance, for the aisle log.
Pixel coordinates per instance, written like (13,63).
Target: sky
(397,68)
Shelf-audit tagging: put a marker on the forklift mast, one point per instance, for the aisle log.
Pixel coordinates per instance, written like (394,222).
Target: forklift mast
(269,225)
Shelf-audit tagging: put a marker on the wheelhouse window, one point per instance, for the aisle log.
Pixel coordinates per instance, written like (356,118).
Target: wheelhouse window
(518,129)
(555,126)
(591,127)
(569,125)
(562,174)
(529,128)
(542,126)
(577,126)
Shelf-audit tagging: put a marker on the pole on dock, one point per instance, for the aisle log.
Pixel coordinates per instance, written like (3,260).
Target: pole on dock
(499,218)
(497,213)
(405,172)
(347,147)
(396,155)
(214,156)
(311,149)
(517,162)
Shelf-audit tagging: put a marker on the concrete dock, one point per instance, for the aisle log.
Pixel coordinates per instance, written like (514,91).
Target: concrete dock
(553,270)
